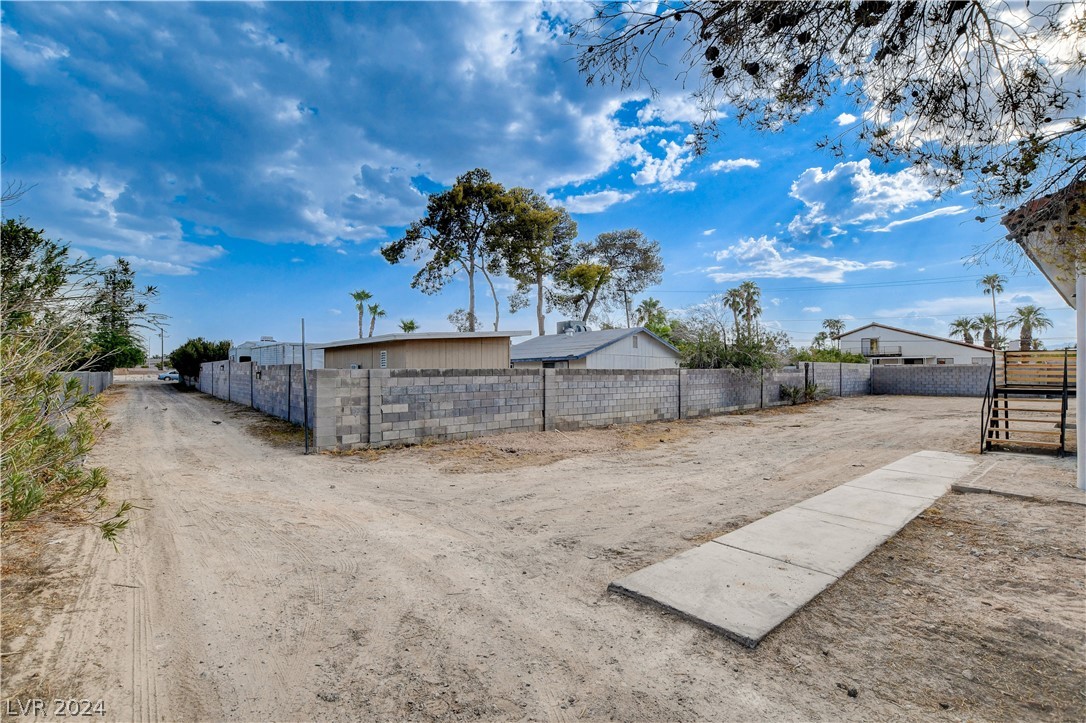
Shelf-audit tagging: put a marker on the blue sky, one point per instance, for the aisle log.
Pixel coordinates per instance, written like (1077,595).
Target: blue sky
(251,159)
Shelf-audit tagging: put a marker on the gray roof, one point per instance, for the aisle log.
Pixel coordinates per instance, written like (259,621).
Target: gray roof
(561,347)
(419,335)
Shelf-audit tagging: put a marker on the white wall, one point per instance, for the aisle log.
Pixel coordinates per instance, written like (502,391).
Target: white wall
(649,354)
(913,346)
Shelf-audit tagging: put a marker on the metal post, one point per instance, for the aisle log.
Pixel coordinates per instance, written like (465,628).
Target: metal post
(305,395)
(1080,373)
(162,347)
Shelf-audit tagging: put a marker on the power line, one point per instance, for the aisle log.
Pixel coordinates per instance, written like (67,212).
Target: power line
(829,286)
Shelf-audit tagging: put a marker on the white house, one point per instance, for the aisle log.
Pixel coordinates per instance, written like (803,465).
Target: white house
(268,352)
(883,344)
(636,348)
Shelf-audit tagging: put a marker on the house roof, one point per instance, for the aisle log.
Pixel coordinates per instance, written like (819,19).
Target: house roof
(915,333)
(420,336)
(1042,228)
(564,347)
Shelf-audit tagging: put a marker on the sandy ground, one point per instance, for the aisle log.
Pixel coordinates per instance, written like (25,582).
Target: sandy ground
(469,580)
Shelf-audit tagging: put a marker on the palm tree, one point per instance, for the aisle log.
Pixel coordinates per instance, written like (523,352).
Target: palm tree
(993,284)
(964,326)
(819,340)
(649,311)
(375,311)
(990,328)
(834,328)
(408,325)
(752,308)
(1028,317)
(734,299)
(361,297)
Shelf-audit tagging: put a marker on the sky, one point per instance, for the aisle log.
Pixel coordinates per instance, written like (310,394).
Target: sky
(250,160)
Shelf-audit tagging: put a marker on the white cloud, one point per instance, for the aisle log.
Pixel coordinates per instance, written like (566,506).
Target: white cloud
(945,211)
(341,252)
(734,164)
(101,211)
(663,171)
(708,232)
(163,268)
(335,312)
(851,193)
(32,55)
(768,258)
(845,119)
(775,301)
(812,309)
(671,109)
(595,202)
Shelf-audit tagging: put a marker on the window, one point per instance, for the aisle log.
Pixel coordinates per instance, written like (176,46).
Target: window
(635,341)
(944,361)
(384,359)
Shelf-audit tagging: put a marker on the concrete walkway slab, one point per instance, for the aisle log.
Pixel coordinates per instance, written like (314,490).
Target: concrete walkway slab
(902,483)
(926,465)
(745,583)
(885,508)
(737,593)
(808,538)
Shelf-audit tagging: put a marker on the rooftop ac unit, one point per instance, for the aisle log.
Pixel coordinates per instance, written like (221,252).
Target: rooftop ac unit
(571,327)
(267,338)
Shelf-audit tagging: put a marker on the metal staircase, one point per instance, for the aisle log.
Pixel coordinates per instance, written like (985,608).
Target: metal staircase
(1026,404)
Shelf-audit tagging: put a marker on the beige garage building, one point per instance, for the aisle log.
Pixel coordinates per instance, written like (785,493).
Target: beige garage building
(422,350)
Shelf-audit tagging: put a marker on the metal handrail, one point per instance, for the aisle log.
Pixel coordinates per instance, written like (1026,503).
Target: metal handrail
(1063,408)
(986,408)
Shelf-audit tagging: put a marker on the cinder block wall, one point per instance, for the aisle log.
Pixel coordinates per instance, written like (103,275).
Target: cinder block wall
(340,408)
(952,380)
(241,382)
(380,407)
(841,380)
(717,391)
(599,397)
(410,405)
(91,382)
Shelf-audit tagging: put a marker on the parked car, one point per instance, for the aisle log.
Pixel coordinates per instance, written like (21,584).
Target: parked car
(170,376)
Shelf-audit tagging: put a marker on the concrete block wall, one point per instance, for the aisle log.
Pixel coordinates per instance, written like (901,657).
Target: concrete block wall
(379,407)
(274,390)
(775,379)
(91,382)
(341,408)
(457,403)
(951,380)
(242,378)
(599,397)
(717,391)
(841,380)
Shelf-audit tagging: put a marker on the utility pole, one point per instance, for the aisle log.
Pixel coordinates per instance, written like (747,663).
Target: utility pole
(626,303)
(162,347)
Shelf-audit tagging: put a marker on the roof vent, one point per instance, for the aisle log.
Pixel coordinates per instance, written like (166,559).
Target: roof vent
(571,327)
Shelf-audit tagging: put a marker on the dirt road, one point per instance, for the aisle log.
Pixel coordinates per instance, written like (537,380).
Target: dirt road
(469,580)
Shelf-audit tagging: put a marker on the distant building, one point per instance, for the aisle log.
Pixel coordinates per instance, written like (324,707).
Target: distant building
(422,350)
(268,352)
(636,348)
(883,344)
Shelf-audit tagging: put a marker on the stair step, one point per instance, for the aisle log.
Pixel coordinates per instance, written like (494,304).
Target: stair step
(1034,420)
(1024,443)
(1005,430)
